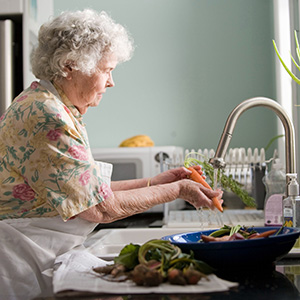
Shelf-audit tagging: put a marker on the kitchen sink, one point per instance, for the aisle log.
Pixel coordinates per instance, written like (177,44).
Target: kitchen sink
(107,243)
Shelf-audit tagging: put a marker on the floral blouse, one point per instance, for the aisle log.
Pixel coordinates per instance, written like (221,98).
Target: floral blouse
(46,166)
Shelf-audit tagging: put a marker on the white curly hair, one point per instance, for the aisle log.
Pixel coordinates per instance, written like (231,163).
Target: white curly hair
(79,39)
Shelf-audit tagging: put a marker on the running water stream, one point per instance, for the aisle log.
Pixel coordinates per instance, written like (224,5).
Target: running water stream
(213,211)
(215,184)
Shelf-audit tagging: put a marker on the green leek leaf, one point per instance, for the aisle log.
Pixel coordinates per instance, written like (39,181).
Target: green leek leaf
(128,256)
(284,65)
(297,45)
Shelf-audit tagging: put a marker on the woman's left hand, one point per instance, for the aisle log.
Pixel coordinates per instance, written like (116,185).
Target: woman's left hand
(174,175)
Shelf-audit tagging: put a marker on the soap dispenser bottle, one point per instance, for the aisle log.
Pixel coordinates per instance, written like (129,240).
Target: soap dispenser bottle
(275,183)
(291,204)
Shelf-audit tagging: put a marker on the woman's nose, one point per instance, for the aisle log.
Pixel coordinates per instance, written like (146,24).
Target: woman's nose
(110,82)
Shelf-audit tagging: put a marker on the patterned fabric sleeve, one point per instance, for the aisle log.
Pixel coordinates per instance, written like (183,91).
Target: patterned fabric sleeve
(50,161)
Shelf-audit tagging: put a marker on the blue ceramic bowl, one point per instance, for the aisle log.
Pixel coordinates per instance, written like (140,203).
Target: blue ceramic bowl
(240,253)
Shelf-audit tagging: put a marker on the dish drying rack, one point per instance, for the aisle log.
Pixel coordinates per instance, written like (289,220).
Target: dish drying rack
(246,166)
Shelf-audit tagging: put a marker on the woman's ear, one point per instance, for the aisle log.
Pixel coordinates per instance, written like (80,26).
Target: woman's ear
(69,69)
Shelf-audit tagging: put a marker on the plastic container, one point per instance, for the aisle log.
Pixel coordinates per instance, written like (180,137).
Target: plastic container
(291,204)
(275,183)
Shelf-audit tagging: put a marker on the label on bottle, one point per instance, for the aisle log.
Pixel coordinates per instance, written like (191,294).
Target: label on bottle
(288,217)
(273,210)
(297,212)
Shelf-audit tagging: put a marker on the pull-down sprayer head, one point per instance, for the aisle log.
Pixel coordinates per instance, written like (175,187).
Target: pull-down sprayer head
(218,161)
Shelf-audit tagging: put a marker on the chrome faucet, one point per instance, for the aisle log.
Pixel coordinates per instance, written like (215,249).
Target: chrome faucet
(218,161)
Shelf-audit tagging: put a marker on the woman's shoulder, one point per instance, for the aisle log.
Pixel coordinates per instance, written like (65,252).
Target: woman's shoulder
(40,99)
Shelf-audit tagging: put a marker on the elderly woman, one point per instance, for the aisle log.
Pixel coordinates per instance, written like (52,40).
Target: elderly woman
(53,193)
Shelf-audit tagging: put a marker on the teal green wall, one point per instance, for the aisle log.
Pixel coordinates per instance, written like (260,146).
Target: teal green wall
(195,60)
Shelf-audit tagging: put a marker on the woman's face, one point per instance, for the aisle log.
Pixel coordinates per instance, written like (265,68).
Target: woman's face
(85,91)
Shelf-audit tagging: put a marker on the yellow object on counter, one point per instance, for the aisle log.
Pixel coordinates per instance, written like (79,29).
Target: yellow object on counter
(138,141)
(297,244)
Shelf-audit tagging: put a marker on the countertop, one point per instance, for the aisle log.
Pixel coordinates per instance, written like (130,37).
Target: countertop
(280,281)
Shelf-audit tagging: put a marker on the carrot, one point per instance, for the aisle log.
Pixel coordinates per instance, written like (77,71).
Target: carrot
(209,238)
(263,234)
(198,178)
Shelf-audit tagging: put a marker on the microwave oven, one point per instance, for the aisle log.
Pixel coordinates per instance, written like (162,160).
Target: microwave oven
(141,162)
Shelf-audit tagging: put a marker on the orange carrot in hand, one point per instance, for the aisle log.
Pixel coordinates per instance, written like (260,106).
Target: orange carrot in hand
(198,178)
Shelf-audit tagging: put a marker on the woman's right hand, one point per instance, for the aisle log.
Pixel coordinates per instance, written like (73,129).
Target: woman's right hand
(198,195)
(173,175)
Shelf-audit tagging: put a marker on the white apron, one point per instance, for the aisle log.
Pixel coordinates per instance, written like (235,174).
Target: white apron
(28,247)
